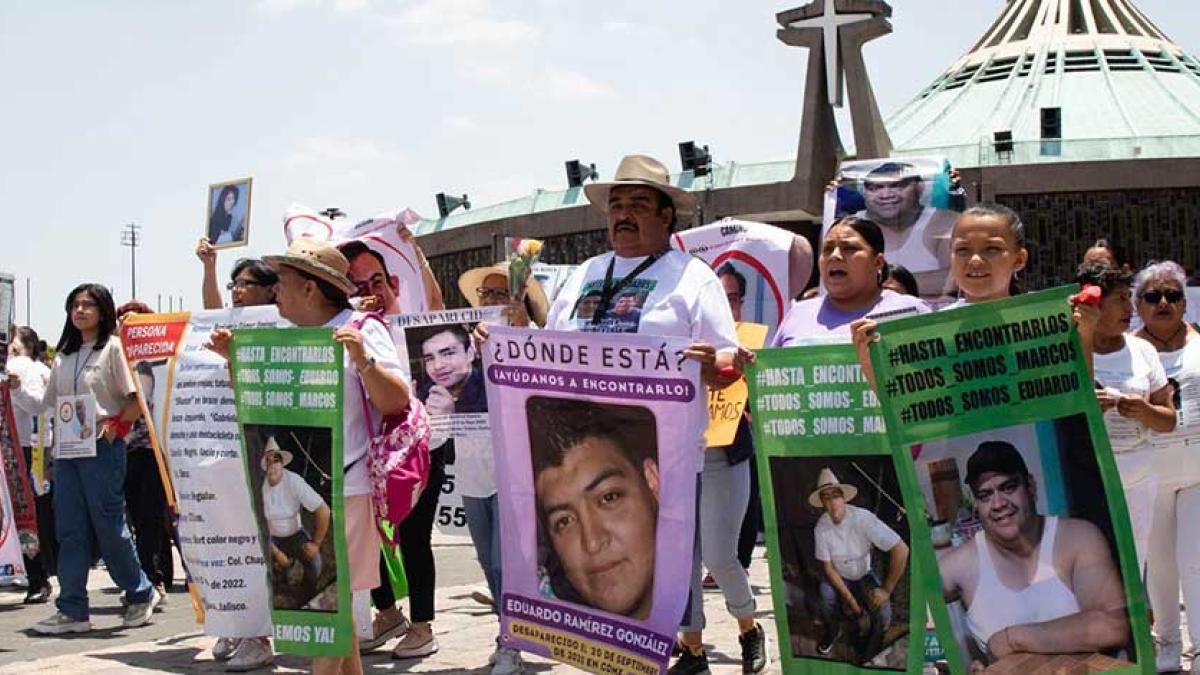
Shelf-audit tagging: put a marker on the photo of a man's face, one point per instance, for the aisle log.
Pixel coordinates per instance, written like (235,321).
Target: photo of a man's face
(596,483)
(1004,503)
(447,360)
(888,199)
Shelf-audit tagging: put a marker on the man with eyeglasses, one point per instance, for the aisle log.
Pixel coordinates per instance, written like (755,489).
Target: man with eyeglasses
(378,290)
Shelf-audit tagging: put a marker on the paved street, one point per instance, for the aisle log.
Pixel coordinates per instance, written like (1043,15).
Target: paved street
(173,643)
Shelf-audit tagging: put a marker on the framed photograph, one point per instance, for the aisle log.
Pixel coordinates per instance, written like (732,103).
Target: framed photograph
(227,217)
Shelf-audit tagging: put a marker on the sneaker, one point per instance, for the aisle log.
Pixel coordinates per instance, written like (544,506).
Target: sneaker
(60,624)
(38,595)
(507,661)
(414,651)
(163,598)
(483,597)
(709,582)
(1168,656)
(138,613)
(832,633)
(224,648)
(253,653)
(754,649)
(384,629)
(690,664)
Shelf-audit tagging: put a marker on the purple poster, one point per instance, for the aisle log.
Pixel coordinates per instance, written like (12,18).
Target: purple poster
(598,440)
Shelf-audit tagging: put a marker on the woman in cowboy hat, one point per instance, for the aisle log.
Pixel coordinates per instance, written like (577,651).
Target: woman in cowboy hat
(313,290)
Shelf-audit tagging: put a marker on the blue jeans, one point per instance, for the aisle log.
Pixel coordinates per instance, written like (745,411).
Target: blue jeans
(881,616)
(483,522)
(89,497)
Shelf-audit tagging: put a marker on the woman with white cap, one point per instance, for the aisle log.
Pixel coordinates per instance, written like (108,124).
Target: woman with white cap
(313,290)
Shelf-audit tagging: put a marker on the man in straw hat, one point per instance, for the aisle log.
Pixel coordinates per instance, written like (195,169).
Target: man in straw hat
(284,493)
(662,292)
(845,536)
(1030,583)
(488,287)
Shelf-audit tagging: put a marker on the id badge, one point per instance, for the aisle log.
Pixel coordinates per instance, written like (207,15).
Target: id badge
(77,426)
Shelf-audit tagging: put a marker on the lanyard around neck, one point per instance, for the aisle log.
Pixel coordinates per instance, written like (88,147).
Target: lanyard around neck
(80,367)
(609,290)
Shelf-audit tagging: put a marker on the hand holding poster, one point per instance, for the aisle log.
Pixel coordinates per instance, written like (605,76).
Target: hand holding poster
(838,538)
(1027,524)
(384,260)
(910,200)
(725,406)
(447,369)
(596,436)
(289,408)
(228,214)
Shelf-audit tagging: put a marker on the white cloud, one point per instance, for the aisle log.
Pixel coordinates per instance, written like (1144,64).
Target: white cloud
(338,152)
(569,86)
(459,123)
(350,5)
(617,27)
(463,23)
(489,73)
(285,5)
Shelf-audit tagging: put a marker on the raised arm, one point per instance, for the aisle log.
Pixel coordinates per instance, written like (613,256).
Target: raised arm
(209,290)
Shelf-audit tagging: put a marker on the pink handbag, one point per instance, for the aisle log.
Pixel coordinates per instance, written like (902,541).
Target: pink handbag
(398,459)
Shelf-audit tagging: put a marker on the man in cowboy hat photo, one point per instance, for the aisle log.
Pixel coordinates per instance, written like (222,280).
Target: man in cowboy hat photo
(845,537)
(1030,583)
(284,494)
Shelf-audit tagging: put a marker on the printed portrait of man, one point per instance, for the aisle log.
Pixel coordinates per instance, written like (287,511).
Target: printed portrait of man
(596,481)
(453,376)
(915,235)
(1030,583)
(369,273)
(295,552)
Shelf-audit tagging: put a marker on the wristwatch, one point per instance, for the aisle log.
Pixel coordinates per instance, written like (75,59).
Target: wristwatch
(370,365)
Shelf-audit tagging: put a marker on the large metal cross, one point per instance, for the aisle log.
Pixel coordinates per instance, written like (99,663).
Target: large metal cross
(828,22)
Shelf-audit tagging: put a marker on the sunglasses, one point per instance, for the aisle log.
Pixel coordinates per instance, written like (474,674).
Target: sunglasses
(491,292)
(1155,297)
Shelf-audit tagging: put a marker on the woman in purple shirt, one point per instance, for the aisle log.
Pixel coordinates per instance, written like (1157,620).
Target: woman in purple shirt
(853,270)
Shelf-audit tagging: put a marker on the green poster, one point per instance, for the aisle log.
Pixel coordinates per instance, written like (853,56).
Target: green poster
(1016,503)
(837,532)
(288,383)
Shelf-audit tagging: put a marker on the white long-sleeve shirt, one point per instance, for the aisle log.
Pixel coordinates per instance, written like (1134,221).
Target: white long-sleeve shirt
(27,399)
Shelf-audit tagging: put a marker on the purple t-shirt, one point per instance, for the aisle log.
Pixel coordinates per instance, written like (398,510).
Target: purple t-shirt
(815,321)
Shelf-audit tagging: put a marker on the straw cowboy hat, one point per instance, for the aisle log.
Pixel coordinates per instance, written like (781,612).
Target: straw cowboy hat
(828,480)
(642,170)
(539,305)
(318,258)
(271,447)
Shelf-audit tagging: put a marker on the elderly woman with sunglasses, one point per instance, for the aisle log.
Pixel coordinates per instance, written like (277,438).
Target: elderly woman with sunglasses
(1158,292)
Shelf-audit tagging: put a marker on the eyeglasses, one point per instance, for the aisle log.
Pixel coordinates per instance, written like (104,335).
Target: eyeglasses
(1155,297)
(241,284)
(485,293)
(733,297)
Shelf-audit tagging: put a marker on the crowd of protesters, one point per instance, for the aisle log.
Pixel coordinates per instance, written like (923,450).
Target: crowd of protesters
(1144,354)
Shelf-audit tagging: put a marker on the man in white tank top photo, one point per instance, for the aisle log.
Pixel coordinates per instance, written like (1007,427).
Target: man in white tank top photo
(1031,584)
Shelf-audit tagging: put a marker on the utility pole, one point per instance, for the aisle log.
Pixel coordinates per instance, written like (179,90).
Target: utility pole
(130,237)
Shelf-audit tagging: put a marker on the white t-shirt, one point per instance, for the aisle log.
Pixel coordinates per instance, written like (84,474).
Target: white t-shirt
(282,503)
(356,436)
(27,399)
(1179,461)
(848,544)
(679,295)
(1135,370)
(474,466)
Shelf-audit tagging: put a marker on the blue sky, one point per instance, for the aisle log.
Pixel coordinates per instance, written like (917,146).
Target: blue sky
(116,112)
